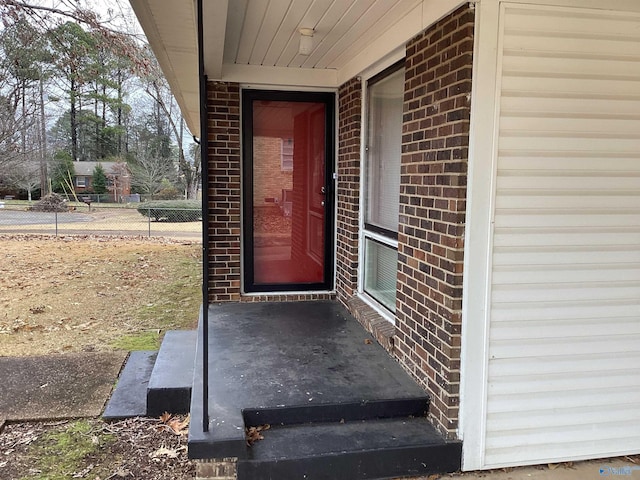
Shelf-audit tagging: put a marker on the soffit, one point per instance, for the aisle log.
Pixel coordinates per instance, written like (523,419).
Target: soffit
(170,27)
(256,41)
(266,33)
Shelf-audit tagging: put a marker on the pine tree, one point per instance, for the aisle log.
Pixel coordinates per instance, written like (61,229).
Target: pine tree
(99,181)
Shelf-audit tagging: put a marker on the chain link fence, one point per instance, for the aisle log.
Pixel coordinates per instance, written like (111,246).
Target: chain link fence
(102,219)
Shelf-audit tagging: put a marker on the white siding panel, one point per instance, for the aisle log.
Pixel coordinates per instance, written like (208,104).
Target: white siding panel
(564,331)
(563,363)
(574,257)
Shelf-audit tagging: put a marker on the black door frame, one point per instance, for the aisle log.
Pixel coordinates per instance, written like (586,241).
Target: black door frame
(328,99)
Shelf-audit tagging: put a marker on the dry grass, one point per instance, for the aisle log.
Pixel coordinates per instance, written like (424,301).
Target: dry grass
(70,294)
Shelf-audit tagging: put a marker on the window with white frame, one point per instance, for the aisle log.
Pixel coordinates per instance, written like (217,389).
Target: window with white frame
(81,181)
(286,157)
(385,95)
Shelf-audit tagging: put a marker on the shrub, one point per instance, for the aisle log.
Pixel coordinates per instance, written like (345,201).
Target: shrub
(168,193)
(172,210)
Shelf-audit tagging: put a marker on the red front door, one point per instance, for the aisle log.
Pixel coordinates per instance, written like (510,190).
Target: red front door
(288,143)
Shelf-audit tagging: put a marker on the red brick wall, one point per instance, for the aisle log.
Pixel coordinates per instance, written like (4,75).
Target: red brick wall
(349,133)
(432,210)
(224,196)
(269,178)
(223,190)
(288,297)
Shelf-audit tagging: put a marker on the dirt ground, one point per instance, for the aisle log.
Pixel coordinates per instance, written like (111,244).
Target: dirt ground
(136,448)
(71,294)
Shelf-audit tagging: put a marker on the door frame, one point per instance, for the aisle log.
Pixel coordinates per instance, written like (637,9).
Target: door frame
(328,99)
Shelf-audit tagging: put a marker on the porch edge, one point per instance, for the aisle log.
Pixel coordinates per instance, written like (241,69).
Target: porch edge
(374,323)
(217,469)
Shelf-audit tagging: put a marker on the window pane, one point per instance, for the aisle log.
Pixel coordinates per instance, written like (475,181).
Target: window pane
(380,273)
(286,164)
(384,151)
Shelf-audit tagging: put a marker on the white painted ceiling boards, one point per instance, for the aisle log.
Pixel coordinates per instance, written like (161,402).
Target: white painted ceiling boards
(256,41)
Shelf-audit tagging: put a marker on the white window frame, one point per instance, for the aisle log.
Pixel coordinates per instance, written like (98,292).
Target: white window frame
(286,156)
(81,181)
(365,234)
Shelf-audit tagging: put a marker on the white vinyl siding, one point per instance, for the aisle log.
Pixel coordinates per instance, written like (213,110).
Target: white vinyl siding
(564,295)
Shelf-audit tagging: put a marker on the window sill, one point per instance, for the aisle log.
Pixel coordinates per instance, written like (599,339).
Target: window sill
(373,321)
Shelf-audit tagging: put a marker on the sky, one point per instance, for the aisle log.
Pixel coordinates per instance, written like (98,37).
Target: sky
(119,11)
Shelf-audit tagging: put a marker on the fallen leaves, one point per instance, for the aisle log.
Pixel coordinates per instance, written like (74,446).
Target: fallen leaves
(164,452)
(178,425)
(254,434)
(554,466)
(154,448)
(120,473)
(19,325)
(39,309)
(84,472)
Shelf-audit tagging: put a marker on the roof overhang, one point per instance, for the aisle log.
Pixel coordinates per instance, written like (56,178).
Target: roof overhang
(256,42)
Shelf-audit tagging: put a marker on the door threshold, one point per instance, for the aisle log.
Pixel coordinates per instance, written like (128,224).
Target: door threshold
(287,293)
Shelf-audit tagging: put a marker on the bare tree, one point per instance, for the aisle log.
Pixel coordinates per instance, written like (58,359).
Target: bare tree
(148,173)
(113,24)
(157,88)
(91,82)
(10,122)
(119,180)
(18,74)
(23,175)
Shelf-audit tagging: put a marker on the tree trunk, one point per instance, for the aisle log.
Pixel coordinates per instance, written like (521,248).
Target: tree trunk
(44,185)
(23,126)
(73,120)
(103,123)
(98,149)
(120,141)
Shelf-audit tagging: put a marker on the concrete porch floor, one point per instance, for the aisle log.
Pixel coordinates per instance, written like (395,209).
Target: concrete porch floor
(305,363)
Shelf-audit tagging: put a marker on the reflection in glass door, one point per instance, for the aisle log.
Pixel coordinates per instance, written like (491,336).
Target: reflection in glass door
(287,199)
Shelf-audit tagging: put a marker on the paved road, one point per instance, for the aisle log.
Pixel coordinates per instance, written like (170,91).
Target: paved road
(15,217)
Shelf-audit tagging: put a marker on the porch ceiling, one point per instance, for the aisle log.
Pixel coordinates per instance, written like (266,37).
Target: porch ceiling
(256,41)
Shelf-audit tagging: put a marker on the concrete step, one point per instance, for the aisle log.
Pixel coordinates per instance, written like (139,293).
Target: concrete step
(291,363)
(169,388)
(130,394)
(365,409)
(372,449)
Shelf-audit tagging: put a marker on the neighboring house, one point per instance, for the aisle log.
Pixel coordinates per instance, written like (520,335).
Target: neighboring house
(468,172)
(118,178)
